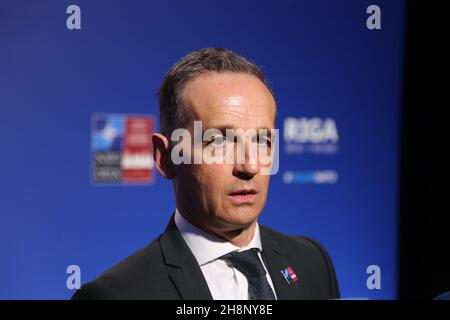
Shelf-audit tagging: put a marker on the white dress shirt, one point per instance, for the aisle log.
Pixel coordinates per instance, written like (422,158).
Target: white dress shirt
(224,281)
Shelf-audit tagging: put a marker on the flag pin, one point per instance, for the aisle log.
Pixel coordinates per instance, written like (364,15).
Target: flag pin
(289,275)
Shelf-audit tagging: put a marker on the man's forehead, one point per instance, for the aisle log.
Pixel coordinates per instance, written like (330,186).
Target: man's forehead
(236,120)
(215,89)
(219,99)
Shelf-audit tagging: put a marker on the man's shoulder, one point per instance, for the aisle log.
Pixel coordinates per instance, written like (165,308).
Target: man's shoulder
(131,278)
(306,243)
(306,252)
(297,245)
(144,260)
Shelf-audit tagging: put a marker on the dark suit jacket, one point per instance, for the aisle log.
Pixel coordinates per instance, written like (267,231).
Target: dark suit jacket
(167,269)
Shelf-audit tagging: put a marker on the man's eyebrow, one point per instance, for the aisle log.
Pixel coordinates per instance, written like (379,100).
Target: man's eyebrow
(223,129)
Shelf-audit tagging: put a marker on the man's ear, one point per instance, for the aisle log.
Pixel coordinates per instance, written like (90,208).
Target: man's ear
(161,155)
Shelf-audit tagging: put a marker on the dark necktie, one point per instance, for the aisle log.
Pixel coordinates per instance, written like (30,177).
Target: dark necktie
(251,267)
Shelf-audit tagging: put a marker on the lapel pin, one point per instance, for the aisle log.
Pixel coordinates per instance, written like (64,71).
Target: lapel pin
(289,275)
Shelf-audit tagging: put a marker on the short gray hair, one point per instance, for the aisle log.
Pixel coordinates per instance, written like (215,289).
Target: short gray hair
(192,65)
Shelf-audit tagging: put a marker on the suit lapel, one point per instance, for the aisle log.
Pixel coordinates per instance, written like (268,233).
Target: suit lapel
(276,261)
(183,269)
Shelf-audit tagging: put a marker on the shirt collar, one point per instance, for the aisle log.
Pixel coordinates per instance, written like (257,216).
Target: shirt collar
(207,247)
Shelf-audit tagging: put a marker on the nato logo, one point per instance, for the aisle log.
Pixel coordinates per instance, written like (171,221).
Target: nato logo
(121,149)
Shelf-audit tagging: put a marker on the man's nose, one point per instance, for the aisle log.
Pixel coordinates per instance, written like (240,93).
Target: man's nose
(250,166)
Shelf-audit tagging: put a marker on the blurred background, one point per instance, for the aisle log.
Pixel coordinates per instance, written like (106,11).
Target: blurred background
(358,168)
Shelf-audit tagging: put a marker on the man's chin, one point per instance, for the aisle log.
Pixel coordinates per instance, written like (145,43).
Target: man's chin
(239,219)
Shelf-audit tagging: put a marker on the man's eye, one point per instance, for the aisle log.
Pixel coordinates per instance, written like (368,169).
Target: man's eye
(263,140)
(218,141)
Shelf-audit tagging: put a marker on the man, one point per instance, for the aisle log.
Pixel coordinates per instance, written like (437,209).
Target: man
(213,246)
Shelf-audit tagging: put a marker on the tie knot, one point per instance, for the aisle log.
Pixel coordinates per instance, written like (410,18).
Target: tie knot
(247,262)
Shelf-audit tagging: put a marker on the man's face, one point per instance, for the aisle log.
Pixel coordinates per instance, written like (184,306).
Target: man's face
(225,197)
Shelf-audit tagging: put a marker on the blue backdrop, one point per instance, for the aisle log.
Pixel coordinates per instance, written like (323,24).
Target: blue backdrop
(329,72)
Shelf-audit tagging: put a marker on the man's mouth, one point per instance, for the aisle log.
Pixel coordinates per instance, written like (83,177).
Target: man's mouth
(243,196)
